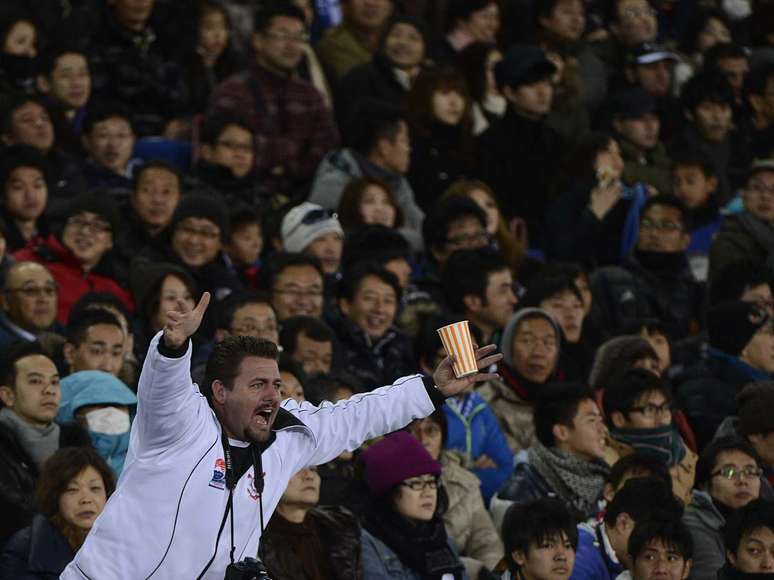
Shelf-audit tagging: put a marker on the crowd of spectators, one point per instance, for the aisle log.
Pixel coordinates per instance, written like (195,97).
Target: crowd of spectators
(590,183)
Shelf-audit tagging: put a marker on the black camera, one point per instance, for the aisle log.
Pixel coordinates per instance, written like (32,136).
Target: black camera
(247,569)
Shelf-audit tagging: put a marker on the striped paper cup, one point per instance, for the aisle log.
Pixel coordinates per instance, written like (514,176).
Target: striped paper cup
(458,344)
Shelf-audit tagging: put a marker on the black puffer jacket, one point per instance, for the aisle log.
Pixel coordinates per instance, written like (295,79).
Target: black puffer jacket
(18,475)
(339,533)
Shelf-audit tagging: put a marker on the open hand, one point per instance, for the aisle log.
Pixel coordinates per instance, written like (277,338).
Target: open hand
(182,323)
(450,385)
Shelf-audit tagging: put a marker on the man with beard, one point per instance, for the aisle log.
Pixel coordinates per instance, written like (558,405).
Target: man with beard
(655,280)
(198,458)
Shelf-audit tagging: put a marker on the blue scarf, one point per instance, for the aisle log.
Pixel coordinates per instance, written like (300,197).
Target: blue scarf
(663,443)
(739,364)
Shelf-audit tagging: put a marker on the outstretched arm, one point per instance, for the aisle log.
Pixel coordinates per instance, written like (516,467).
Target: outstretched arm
(165,388)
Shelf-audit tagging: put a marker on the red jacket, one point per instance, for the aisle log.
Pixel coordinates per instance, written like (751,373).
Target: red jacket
(73,282)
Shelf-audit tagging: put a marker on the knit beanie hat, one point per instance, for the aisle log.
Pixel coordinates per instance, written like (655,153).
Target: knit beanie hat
(755,403)
(396,458)
(203,207)
(506,340)
(305,223)
(732,324)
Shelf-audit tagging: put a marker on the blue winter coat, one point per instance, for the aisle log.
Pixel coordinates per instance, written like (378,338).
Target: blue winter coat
(39,552)
(592,562)
(480,435)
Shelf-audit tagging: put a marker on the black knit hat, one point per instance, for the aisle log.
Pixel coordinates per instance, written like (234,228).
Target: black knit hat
(204,207)
(732,324)
(96,202)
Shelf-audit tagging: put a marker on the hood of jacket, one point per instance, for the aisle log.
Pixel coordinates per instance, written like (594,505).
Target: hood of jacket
(506,339)
(92,388)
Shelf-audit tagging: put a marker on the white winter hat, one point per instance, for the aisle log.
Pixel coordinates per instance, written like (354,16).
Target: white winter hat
(305,223)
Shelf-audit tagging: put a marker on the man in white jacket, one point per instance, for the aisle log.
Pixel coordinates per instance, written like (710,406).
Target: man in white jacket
(171,515)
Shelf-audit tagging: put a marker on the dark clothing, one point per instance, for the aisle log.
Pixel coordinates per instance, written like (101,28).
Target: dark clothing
(438,159)
(38,552)
(652,166)
(374,363)
(632,292)
(518,158)
(201,80)
(134,238)
(138,71)
(13,238)
(325,546)
(218,180)
(99,177)
(573,232)
(374,80)
(708,394)
(729,572)
(741,237)
(65,180)
(18,475)
(293,127)
(526,484)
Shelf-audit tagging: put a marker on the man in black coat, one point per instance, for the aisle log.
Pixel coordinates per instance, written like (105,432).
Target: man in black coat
(519,153)
(29,391)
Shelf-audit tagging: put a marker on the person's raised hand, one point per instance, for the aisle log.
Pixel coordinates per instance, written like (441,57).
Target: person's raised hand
(182,323)
(450,385)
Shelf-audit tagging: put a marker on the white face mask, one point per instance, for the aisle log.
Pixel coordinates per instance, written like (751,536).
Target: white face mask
(737,9)
(108,420)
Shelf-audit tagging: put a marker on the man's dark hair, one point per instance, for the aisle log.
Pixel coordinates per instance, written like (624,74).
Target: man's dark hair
(735,279)
(17,156)
(435,228)
(353,278)
(13,354)
(529,524)
(288,365)
(706,463)
(758,78)
(282,261)
(557,404)
(233,302)
(102,111)
(311,327)
(78,327)
(51,56)
(637,462)
(708,85)
(545,285)
(642,498)
(649,325)
(214,124)
(227,357)
(624,389)
(10,103)
(270,10)
(466,273)
(723,50)
(463,9)
(611,10)
(156,164)
(375,243)
(99,301)
(371,121)
(323,387)
(243,216)
(667,200)
(757,514)
(671,531)
(693,158)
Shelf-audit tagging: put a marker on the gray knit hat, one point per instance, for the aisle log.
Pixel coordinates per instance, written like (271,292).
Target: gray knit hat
(305,223)
(509,330)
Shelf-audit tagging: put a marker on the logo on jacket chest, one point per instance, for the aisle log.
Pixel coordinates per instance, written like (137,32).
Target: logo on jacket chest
(218,480)
(251,489)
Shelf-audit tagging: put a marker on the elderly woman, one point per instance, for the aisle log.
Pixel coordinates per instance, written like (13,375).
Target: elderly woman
(74,485)
(404,537)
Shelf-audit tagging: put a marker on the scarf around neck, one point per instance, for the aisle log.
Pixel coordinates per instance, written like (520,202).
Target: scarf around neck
(40,443)
(577,481)
(663,443)
(422,547)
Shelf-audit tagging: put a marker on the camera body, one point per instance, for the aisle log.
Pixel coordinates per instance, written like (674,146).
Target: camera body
(247,569)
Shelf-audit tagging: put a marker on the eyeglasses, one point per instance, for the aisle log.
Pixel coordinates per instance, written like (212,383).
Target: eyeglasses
(206,233)
(667,227)
(35,291)
(233,145)
(96,226)
(469,240)
(652,411)
(421,484)
(249,329)
(736,473)
(300,292)
(759,189)
(301,38)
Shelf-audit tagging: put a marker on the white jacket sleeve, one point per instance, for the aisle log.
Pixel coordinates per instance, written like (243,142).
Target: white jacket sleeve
(346,425)
(167,401)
